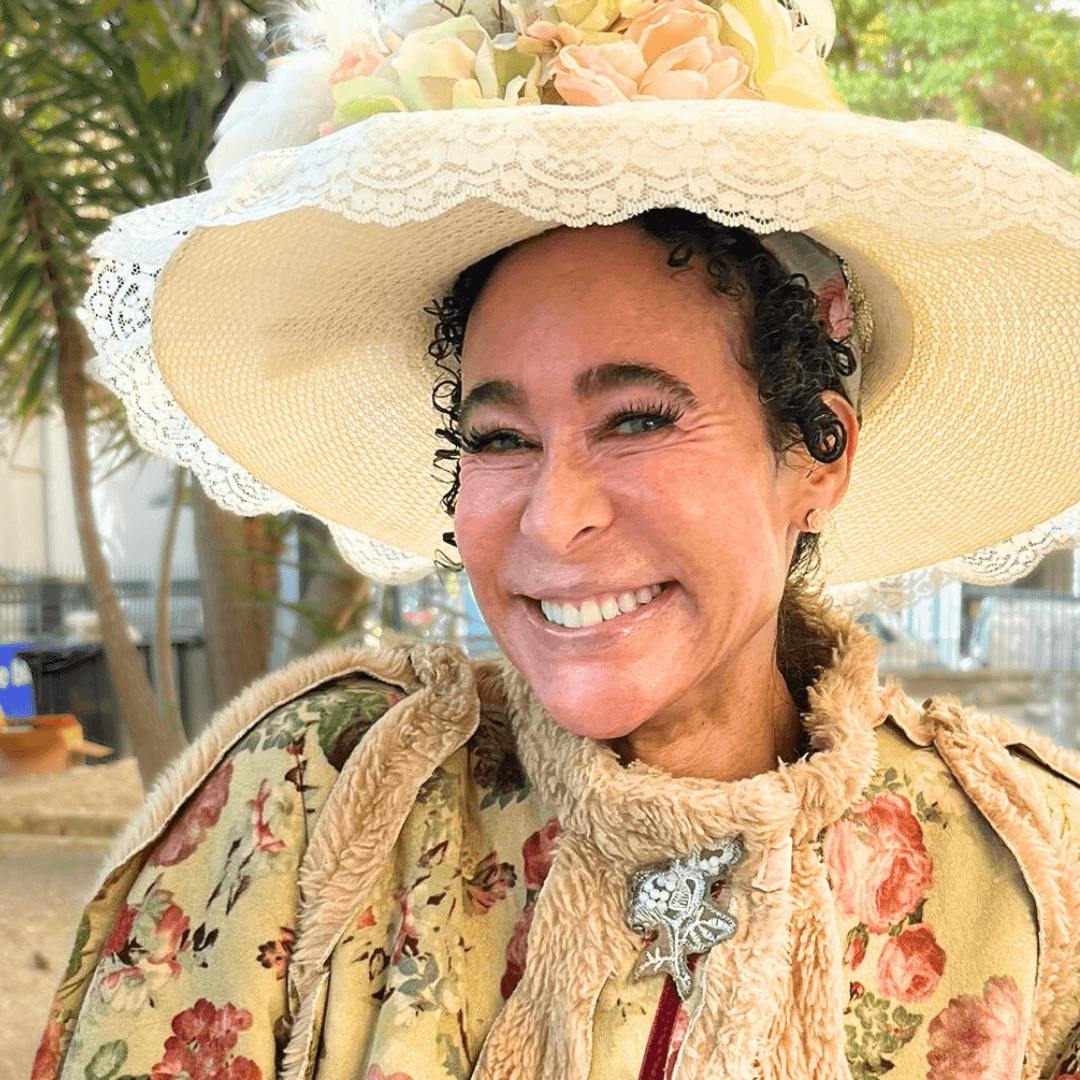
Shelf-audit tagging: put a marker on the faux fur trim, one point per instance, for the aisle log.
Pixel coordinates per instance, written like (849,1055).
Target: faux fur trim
(617,818)
(363,815)
(639,813)
(975,749)
(180,779)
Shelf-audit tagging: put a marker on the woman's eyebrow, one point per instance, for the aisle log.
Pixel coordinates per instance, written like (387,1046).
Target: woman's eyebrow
(490,392)
(600,377)
(588,383)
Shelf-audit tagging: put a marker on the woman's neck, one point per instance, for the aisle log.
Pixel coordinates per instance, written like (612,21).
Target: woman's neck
(740,724)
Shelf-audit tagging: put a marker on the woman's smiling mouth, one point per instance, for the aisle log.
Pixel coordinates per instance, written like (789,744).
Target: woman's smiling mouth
(601,608)
(602,613)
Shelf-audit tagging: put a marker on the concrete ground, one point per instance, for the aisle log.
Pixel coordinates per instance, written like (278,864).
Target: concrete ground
(54,834)
(44,882)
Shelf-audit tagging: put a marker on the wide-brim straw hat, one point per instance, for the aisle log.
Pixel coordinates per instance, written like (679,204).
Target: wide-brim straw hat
(270,333)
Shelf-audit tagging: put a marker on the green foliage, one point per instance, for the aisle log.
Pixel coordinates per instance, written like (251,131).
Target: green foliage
(1012,66)
(104,106)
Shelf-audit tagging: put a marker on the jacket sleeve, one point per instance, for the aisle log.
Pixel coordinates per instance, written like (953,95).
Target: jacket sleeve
(181,960)
(1055,773)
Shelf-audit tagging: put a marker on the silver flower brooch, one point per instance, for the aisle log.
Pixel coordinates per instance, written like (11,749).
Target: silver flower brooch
(674,898)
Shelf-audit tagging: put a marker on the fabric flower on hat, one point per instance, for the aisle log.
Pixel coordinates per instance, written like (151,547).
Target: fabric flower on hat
(782,55)
(670,50)
(452,64)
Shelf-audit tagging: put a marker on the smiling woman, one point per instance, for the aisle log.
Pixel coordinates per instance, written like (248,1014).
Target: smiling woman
(592,486)
(679,829)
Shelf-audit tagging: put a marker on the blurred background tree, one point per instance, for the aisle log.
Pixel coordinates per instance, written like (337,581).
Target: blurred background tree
(1009,65)
(107,105)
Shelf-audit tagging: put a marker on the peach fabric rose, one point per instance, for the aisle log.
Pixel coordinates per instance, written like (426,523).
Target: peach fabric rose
(979,1038)
(835,309)
(670,50)
(879,866)
(910,965)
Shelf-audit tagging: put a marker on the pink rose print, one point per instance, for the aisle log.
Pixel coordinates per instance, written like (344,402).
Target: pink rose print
(979,1038)
(910,965)
(265,840)
(201,1045)
(187,832)
(516,950)
(539,853)
(879,866)
(834,308)
(375,1073)
(142,951)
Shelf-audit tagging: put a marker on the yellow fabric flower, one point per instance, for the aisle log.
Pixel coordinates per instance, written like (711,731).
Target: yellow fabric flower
(783,60)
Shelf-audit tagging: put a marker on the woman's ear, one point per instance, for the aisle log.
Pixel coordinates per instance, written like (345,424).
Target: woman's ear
(825,483)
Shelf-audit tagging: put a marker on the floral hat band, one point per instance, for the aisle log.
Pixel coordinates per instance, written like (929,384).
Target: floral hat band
(352,60)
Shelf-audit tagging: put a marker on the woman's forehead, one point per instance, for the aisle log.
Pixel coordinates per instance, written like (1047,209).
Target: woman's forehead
(564,305)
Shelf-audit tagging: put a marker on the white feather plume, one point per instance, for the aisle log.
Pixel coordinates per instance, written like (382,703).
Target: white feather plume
(285,110)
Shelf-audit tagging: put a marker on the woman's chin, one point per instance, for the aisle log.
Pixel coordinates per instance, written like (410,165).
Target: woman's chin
(602,711)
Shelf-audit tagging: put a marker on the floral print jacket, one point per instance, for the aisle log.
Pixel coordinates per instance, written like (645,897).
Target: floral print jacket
(394,866)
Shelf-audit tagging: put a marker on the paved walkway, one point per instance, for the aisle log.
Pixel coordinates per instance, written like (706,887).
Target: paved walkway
(92,800)
(55,831)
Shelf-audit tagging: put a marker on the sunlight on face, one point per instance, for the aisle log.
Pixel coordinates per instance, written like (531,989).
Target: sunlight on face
(615,446)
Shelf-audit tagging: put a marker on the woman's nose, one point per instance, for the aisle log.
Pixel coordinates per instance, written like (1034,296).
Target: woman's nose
(566,504)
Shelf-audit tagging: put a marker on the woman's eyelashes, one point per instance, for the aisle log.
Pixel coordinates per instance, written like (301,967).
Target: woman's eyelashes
(635,419)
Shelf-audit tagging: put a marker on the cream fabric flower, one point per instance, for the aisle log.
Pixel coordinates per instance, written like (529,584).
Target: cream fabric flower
(453,64)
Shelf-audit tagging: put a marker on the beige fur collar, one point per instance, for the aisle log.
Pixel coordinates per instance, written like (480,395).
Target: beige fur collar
(640,813)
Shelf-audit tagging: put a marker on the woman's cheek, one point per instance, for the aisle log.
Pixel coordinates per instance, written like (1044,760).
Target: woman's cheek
(486,511)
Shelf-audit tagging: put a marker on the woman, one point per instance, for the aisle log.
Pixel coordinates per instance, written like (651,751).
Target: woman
(681,830)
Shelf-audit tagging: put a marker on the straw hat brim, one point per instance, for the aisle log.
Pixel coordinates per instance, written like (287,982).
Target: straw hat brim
(270,333)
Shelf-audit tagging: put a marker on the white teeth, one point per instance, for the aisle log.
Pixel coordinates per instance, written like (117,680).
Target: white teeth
(590,613)
(600,609)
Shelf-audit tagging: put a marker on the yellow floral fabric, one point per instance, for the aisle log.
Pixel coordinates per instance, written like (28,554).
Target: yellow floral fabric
(181,967)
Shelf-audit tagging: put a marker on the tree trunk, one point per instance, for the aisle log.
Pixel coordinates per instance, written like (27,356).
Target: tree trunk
(238,584)
(332,593)
(155,740)
(164,677)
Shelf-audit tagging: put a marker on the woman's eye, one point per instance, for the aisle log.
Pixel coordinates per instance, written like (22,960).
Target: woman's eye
(641,423)
(498,441)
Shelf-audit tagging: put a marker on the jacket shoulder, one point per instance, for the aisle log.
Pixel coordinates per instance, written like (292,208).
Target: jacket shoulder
(198,908)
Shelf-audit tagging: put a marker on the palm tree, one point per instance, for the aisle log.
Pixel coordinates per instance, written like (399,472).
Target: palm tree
(104,106)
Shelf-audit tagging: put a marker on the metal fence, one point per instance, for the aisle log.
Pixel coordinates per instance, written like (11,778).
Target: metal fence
(43,609)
